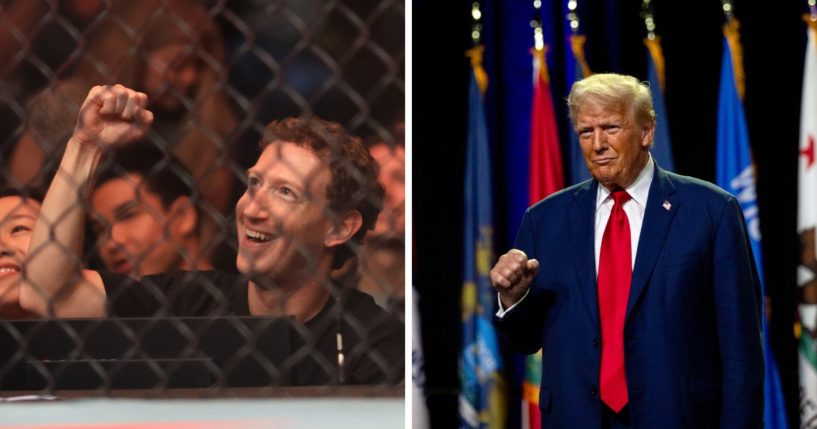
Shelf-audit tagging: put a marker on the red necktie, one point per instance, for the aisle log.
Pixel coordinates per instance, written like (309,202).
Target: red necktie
(615,274)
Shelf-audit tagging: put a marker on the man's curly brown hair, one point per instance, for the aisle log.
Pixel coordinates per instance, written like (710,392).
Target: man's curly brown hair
(354,184)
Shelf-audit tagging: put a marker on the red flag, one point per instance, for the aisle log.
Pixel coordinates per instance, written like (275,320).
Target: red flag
(546,176)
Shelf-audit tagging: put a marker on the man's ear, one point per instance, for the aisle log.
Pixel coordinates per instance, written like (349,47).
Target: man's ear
(183,217)
(647,135)
(348,225)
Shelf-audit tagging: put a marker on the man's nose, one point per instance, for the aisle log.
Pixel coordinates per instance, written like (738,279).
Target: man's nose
(599,140)
(257,207)
(113,238)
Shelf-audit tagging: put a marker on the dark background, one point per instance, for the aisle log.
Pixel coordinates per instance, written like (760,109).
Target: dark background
(773,38)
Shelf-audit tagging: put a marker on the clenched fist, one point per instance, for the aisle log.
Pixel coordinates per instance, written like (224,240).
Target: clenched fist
(512,275)
(112,115)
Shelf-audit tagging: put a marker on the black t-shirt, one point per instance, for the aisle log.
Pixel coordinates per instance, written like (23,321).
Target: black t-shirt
(372,339)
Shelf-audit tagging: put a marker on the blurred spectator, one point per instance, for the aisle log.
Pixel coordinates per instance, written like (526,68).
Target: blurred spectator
(172,51)
(19,210)
(379,268)
(37,37)
(144,214)
(392,162)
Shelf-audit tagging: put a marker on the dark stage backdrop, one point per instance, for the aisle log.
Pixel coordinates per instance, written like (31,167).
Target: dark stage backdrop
(773,37)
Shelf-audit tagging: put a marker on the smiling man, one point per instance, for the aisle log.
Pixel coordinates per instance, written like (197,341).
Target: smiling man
(638,285)
(310,199)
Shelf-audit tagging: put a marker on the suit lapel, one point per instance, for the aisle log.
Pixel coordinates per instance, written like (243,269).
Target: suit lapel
(581,217)
(658,215)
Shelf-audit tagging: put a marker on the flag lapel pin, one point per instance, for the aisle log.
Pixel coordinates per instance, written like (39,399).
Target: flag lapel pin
(667,205)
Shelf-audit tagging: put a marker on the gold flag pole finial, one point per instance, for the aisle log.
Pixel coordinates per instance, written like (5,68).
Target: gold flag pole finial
(475,53)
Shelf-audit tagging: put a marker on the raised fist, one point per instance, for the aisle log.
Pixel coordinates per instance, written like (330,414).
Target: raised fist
(112,115)
(512,275)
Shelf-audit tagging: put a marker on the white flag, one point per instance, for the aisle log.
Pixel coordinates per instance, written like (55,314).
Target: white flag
(419,411)
(806,223)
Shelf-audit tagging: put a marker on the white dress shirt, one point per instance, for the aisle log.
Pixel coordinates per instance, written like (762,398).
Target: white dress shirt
(634,207)
(639,190)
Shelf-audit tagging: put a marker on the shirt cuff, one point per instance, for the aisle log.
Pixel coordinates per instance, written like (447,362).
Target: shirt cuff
(500,313)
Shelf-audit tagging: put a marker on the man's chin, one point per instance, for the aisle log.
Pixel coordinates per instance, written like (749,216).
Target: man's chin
(605,176)
(249,267)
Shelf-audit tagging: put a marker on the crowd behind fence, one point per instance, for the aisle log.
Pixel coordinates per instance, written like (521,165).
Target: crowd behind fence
(201,194)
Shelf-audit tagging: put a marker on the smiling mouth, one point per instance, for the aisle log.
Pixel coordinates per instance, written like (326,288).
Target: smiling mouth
(257,236)
(9,270)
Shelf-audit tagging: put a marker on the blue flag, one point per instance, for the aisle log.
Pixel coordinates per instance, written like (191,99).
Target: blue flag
(662,150)
(482,388)
(577,168)
(735,173)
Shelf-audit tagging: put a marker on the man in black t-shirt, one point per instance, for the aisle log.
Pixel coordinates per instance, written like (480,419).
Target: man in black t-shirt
(310,199)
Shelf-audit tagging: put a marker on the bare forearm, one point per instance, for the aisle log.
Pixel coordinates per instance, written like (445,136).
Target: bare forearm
(54,282)
(54,265)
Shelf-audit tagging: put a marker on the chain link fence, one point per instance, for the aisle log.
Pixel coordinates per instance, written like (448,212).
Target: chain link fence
(196,257)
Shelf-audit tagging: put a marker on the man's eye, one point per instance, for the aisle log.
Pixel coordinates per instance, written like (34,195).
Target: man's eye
(126,214)
(286,193)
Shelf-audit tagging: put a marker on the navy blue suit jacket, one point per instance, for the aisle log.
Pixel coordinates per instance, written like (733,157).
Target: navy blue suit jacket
(692,333)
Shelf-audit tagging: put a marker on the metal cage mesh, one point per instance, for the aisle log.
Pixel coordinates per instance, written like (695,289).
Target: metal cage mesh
(216,73)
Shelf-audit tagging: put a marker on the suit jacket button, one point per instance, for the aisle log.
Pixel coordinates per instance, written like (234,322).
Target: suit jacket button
(595,342)
(593,390)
